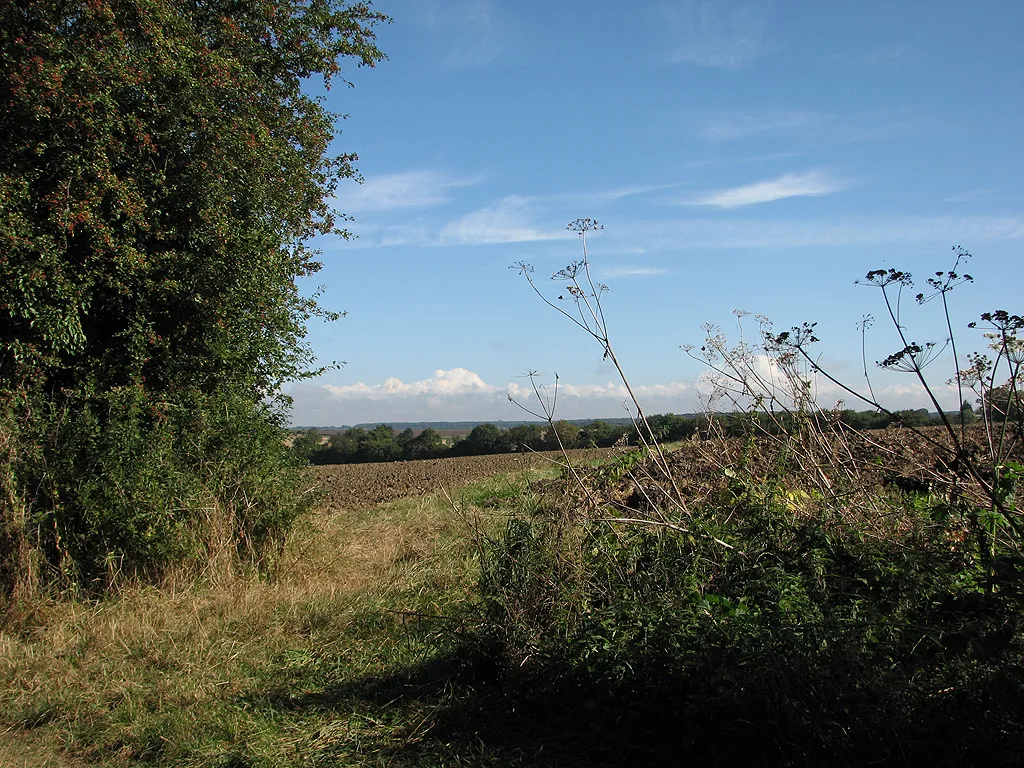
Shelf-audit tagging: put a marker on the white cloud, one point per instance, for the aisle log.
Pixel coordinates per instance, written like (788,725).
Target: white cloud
(722,35)
(603,197)
(812,183)
(407,189)
(510,221)
(740,160)
(462,395)
(581,401)
(456,381)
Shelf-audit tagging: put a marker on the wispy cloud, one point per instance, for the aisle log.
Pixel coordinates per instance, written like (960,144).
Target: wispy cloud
(741,160)
(722,35)
(627,271)
(468,32)
(510,221)
(727,127)
(407,189)
(603,197)
(813,183)
(855,127)
(840,231)
(982,196)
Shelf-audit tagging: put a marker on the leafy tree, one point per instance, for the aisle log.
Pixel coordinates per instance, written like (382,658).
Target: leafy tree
(601,434)
(482,440)
(669,426)
(342,448)
(915,418)
(380,444)
(524,437)
(403,438)
(967,414)
(427,444)
(562,432)
(1002,404)
(306,444)
(162,166)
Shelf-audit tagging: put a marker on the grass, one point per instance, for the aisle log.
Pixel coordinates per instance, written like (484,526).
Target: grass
(323,665)
(603,646)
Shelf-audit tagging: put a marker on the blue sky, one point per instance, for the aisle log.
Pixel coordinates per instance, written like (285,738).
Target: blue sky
(757,156)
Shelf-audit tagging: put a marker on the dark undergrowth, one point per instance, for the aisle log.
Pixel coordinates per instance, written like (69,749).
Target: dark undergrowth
(747,631)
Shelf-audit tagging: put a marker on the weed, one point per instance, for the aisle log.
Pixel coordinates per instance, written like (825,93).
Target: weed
(783,589)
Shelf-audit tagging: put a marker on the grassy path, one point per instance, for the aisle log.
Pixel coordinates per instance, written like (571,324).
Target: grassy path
(310,668)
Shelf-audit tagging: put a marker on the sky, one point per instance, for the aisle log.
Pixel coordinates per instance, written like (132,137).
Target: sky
(756,156)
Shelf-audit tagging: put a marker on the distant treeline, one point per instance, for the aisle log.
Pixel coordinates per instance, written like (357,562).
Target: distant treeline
(384,443)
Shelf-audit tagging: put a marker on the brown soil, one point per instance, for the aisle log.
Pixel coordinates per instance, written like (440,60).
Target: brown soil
(357,486)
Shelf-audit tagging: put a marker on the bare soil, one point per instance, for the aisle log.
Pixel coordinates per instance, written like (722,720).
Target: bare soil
(358,486)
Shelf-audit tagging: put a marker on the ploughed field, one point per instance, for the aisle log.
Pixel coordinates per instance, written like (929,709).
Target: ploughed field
(357,486)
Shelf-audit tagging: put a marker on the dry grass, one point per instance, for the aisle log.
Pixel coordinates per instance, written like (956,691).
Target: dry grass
(181,674)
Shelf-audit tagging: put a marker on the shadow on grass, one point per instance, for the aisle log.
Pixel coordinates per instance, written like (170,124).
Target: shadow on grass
(448,710)
(452,710)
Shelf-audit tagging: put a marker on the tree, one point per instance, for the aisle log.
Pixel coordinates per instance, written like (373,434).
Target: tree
(524,437)
(967,414)
(562,434)
(601,434)
(162,166)
(380,444)
(306,444)
(482,440)
(1002,404)
(426,445)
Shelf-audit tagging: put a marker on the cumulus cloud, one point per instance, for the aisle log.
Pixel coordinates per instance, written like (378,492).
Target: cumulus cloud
(813,183)
(457,381)
(459,394)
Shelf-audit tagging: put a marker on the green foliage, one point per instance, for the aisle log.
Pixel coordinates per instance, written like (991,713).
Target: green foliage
(601,434)
(525,437)
(426,445)
(562,434)
(482,440)
(800,636)
(161,167)
(110,492)
(306,444)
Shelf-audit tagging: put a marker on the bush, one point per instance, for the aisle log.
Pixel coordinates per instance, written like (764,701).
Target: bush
(108,488)
(154,239)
